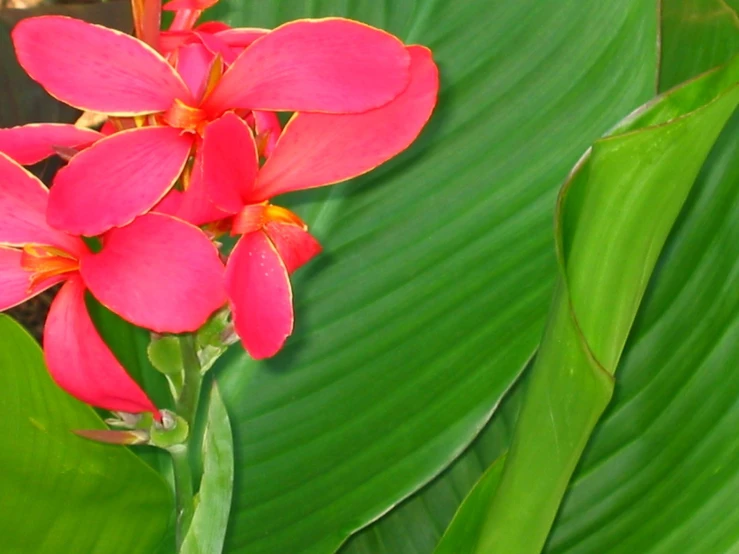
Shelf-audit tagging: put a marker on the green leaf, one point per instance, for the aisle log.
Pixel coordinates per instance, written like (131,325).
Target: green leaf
(165,354)
(460,537)
(60,492)
(208,528)
(696,36)
(640,449)
(661,471)
(417,525)
(615,214)
(433,289)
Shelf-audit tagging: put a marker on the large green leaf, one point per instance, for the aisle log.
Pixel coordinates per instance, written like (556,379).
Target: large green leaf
(625,435)
(208,528)
(662,471)
(60,492)
(416,526)
(437,274)
(696,35)
(615,214)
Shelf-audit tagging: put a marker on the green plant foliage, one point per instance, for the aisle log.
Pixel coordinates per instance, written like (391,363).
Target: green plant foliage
(661,472)
(130,344)
(612,496)
(468,521)
(60,492)
(208,528)
(417,525)
(615,214)
(437,273)
(165,354)
(696,35)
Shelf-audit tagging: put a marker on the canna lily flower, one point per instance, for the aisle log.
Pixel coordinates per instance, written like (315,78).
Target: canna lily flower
(328,65)
(158,272)
(314,150)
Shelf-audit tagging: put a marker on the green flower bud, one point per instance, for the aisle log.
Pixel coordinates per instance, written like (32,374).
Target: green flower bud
(172,431)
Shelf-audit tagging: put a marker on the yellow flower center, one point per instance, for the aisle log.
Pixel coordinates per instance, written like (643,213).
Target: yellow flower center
(255,216)
(44,262)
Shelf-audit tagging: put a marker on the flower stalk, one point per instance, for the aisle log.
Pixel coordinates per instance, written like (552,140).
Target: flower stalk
(184,493)
(187,406)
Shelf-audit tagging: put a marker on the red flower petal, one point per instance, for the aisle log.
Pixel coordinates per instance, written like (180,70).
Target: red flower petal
(193,64)
(176,5)
(118,178)
(327,65)
(81,363)
(321,149)
(23,200)
(259,292)
(212,27)
(14,280)
(268,130)
(194,205)
(237,40)
(158,272)
(295,245)
(230,162)
(29,144)
(95,68)
(169,41)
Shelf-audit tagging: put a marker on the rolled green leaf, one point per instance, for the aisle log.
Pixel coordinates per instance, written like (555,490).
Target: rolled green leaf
(469,518)
(614,215)
(62,492)
(208,528)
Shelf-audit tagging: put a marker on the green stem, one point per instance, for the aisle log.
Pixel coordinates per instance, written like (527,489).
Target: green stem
(183,490)
(187,403)
(187,407)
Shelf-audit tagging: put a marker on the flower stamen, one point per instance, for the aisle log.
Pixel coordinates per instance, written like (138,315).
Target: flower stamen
(255,216)
(44,262)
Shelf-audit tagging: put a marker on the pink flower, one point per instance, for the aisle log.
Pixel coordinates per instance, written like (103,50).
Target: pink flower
(314,150)
(158,272)
(329,65)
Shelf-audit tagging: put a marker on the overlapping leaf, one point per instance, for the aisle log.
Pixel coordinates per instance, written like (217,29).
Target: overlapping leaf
(662,471)
(60,492)
(208,529)
(615,213)
(617,505)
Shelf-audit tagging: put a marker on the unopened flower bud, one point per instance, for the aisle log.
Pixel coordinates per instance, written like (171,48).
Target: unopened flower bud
(172,431)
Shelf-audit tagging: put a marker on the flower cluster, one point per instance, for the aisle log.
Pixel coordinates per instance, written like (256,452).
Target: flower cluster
(192,148)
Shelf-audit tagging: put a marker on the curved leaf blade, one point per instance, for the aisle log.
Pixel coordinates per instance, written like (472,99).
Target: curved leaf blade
(661,471)
(420,521)
(696,36)
(615,214)
(63,493)
(208,528)
(468,521)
